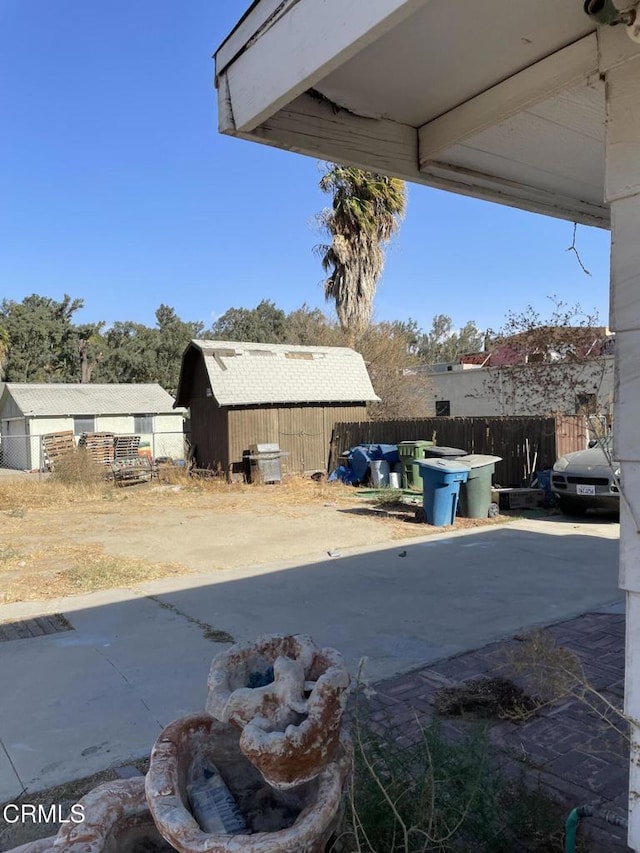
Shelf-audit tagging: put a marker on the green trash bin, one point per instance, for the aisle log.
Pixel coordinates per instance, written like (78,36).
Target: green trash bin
(475,494)
(409,452)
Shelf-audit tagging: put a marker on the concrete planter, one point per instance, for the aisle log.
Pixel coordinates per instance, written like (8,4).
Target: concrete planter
(281,821)
(288,696)
(116,820)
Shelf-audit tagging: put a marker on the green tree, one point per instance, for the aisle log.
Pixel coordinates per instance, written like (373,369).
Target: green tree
(91,348)
(134,352)
(264,324)
(4,349)
(172,338)
(131,353)
(442,343)
(43,340)
(311,327)
(365,214)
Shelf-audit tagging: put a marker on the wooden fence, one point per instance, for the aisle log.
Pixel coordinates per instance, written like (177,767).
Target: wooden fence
(525,444)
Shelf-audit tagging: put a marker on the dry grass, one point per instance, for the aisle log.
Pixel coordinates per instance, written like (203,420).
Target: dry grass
(63,569)
(174,489)
(403,524)
(551,672)
(47,525)
(18,496)
(40,517)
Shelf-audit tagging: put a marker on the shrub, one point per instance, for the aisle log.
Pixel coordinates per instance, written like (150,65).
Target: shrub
(441,796)
(78,469)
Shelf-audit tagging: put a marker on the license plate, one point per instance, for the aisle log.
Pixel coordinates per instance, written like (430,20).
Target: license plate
(585,490)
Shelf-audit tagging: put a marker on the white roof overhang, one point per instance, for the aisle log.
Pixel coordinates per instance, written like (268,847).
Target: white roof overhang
(502,100)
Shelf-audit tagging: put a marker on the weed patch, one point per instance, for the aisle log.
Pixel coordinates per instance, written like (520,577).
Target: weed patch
(440,797)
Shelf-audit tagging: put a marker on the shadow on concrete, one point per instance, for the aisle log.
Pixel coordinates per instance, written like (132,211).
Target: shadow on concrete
(593,516)
(136,659)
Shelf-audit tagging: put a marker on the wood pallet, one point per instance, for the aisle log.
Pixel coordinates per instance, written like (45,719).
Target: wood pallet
(57,445)
(126,446)
(99,446)
(134,470)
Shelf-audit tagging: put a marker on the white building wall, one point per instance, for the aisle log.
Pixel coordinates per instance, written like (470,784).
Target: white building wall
(117,424)
(168,438)
(39,427)
(524,390)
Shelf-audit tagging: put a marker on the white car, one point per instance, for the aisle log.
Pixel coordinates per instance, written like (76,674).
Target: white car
(588,479)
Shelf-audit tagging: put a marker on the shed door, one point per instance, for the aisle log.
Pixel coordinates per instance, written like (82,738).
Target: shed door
(302,435)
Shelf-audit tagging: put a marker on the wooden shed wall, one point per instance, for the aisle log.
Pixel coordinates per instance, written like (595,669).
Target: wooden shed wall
(209,423)
(304,431)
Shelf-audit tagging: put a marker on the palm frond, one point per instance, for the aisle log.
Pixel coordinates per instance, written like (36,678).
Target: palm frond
(366,212)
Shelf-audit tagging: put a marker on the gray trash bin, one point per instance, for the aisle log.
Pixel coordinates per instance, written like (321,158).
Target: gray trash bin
(265,463)
(475,494)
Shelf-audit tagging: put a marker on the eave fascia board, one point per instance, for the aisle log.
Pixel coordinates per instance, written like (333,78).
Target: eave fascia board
(312,127)
(248,27)
(561,70)
(302,47)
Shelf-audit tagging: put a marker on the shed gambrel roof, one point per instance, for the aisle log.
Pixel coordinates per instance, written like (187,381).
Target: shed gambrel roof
(64,400)
(247,374)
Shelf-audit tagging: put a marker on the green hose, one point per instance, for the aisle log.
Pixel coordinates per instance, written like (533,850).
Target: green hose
(572,822)
(571,831)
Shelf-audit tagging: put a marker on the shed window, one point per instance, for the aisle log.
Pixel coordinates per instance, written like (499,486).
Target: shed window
(82,423)
(143,424)
(443,408)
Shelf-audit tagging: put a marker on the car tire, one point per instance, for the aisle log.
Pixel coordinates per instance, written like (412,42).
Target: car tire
(568,507)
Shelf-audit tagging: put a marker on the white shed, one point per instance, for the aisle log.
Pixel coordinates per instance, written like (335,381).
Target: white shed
(530,104)
(29,411)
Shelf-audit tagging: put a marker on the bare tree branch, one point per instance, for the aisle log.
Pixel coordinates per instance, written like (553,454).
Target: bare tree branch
(572,248)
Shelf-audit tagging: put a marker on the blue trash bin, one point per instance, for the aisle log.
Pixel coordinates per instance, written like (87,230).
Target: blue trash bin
(441,480)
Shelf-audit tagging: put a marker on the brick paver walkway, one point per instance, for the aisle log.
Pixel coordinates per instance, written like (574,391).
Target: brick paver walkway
(568,748)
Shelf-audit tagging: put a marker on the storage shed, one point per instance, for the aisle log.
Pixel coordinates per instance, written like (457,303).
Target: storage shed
(29,411)
(241,394)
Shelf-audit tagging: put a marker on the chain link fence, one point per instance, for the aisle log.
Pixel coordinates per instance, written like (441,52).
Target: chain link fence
(25,453)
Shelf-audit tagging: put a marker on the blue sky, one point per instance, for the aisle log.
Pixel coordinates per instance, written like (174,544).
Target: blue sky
(116,187)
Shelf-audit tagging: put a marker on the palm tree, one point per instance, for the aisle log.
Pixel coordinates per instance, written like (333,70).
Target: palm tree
(365,214)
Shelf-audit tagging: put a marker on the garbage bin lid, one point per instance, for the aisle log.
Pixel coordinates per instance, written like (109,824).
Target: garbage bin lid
(448,466)
(479,460)
(440,450)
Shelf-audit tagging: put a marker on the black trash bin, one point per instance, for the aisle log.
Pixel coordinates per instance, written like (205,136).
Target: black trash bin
(441,452)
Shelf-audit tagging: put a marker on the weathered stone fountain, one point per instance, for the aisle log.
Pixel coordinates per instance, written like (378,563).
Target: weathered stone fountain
(117,820)
(262,770)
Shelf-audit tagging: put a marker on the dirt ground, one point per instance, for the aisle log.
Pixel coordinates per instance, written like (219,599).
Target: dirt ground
(58,539)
